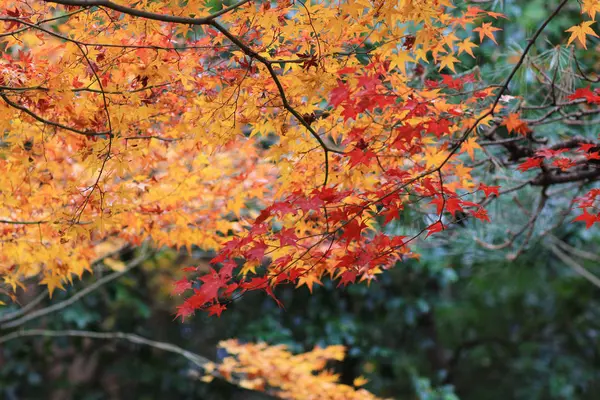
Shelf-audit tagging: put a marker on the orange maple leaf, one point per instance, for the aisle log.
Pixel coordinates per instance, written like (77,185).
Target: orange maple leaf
(486,30)
(514,124)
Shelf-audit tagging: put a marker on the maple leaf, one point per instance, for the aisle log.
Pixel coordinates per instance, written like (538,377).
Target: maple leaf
(308,279)
(585,93)
(452,82)
(586,147)
(216,309)
(434,228)
(52,281)
(227,268)
(448,61)
(549,153)
(564,163)
(339,94)
(450,204)
(439,127)
(360,381)
(209,290)
(591,7)
(257,252)
(589,219)
(347,277)
(287,237)
(532,162)
(184,310)
(480,214)
(580,31)
(358,156)
(469,146)
(489,190)
(486,30)
(352,230)
(466,46)
(181,286)
(453,205)
(593,156)
(514,124)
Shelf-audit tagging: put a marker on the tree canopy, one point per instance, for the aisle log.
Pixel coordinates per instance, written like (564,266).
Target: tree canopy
(294,142)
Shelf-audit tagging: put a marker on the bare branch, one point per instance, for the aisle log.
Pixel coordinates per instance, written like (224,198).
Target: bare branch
(169,347)
(593,279)
(77,296)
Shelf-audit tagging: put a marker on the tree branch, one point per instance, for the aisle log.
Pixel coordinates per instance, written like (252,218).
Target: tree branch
(169,347)
(77,296)
(593,279)
(51,123)
(134,12)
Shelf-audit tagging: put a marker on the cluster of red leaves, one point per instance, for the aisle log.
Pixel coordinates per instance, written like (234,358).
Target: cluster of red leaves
(349,248)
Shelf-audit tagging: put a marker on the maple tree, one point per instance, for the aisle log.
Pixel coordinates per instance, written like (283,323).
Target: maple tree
(289,137)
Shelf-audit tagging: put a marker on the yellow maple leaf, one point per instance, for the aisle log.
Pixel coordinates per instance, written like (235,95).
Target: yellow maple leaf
(359,381)
(448,61)
(400,59)
(591,7)
(433,157)
(309,280)
(466,46)
(579,31)
(52,281)
(470,145)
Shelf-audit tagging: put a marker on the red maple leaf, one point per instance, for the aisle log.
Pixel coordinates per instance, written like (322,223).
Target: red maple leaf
(450,204)
(563,163)
(434,228)
(549,153)
(530,163)
(339,94)
(262,217)
(586,147)
(287,237)
(593,156)
(368,82)
(184,310)
(226,270)
(438,128)
(358,156)
(181,286)
(585,93)
(352,230)
(347,277)
(589,219)
(257,252)
(209,290)
(452,83)
(489,190)
(453,205)
(481,214)
(216,309)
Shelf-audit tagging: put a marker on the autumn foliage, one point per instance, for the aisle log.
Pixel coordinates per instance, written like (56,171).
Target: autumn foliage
(275,370)
(289,137)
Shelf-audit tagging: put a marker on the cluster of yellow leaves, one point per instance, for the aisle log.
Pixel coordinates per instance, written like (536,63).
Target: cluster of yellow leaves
(276,370)
(581,31)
